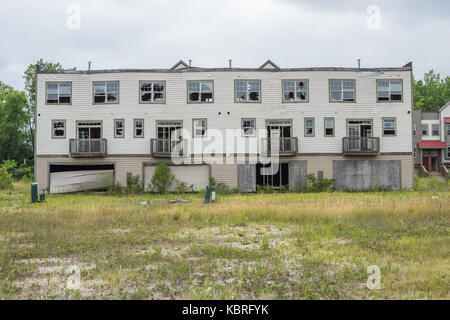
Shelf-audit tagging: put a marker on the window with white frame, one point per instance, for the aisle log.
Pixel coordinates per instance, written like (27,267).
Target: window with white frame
(389,90)
(248,127)
(342,90)
(414,129)
(448,128)
(435,129)
(200,91)
(59,93)
(58,128)
(119,128)
(106,92)
(138,128)
(448,152)
(329,127)
(247,91)
(424,129)
(389,127)
(152,91)
(295,90)
(309,127)
(199,128)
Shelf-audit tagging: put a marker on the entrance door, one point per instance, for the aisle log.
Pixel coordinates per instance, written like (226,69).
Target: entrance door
(431,160)
(278,131)
(425,163)
(169,134)
(361,131)
(89,135)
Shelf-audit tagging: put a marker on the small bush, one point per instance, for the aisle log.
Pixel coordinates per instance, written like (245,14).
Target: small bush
(134,185)
(182,187)
(430,183)
(316,185)
(219,187)
(5,179)
(10,165)
(162,178)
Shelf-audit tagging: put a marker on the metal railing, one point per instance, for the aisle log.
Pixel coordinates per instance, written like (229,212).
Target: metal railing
(285,146)
(165,147)
(87,147)
(360,145)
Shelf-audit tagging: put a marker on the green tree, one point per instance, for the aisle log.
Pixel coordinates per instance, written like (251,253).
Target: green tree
(431,93)
(13,125)
(30,91)
(162,178)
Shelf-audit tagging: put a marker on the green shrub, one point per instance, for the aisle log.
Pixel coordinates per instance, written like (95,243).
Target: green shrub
(430,183)
(162,178)
(219,187)
(5,179)
(182,187)
(316,185)
(10,165)
(134,185)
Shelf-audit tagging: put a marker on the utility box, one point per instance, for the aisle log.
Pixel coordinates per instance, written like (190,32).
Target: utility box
(34,192)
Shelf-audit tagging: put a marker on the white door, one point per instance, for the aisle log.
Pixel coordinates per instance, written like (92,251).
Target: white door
(196,175)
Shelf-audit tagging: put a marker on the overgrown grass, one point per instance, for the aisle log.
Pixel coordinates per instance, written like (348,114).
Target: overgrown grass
(281,246)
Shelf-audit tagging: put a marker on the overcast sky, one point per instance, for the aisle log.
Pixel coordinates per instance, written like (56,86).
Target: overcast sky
(158,33)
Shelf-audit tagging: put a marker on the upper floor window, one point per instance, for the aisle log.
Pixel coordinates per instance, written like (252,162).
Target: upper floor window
(248,127)
(59,93)
(247,91)
(58,128)
(119,125)
(295,90)
(389,90)
(448,152)
(342,90)
(435,129)
(329,127)
(138,128)
(424,129)
(448,129)
(199,128)
(389,127)
(106,92)
(414,128)
(152,91)
(200,91)
(309,127)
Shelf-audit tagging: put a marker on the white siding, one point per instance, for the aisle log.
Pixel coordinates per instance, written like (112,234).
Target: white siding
(176,108)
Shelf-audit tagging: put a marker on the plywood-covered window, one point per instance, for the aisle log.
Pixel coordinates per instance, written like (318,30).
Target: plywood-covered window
(106,92)
(200,91)
(295,90)
(389,90)
(247,90)
(342,90)
(152,91)
(59,93)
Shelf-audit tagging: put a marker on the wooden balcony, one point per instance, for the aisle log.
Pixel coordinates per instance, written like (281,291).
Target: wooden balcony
(87,148)
(286,146)
(357,146)
(165,147)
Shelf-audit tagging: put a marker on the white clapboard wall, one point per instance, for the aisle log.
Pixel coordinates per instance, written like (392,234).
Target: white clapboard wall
(72,181)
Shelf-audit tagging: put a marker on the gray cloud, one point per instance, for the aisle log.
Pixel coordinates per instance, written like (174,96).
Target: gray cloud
(156,34)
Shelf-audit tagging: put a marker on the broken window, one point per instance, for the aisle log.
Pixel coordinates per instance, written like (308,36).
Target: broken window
(389,90)
(414,129)
(59,128)
(138,128)
(435,129)
(448,129)
(247,91)
(152,91)
(200,91)
(448,152)
(295,90)
(119,128)
(59,93)
(106,92)
(342,90)
(199,128)
(389,127)
(329,127)
(415,152)
(248,127)
(424,129)
(309,127)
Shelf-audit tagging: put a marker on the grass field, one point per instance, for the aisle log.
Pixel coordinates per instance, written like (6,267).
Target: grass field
(250,246)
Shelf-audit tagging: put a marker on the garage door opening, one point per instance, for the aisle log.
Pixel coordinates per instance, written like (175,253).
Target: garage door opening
(277,179)
(79,177)
(195,175)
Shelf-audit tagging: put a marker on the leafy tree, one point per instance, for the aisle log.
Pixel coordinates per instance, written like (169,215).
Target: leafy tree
(162,178)
(30,91)
(431,93)
(13,121)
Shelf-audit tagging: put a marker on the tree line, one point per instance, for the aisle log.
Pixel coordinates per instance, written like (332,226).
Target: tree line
(17,110)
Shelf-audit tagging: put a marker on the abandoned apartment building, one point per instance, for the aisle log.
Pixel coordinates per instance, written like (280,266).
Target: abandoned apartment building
(350,124)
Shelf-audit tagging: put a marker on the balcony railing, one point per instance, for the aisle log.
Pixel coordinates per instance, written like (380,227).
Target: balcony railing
(285,146)
(360,146)
(87,147)
(165,147)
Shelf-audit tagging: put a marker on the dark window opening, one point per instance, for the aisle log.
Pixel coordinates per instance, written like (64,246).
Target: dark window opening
(279,177)
(79,167)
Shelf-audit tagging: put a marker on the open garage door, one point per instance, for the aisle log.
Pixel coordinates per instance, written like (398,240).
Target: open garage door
(197,175)
(73,178)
